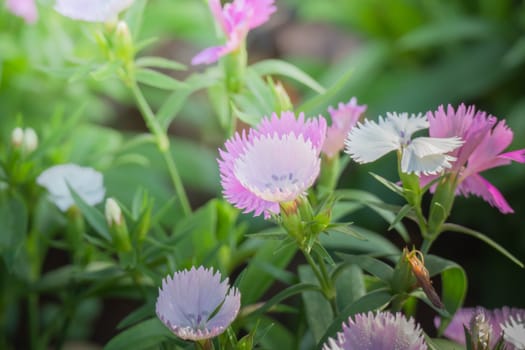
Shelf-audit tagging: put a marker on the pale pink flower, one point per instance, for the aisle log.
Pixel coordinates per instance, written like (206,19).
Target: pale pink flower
(196,304)
(92,10)
(277,162)
(485,140)
(378,331)
(23,8)
(496,319)
(343,119)
(236,19)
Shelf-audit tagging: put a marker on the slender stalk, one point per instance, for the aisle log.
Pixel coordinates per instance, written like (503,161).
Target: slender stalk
(32,305)
(425,246)
(163,144)
(324,280)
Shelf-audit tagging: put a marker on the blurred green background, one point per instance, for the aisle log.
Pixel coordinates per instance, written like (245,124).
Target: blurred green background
(405,55)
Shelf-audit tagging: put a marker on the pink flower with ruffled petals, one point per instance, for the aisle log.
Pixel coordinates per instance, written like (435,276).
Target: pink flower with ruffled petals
(343,119)
(23,8)
(236,19)
(496,319)
(277,162)
(485,140)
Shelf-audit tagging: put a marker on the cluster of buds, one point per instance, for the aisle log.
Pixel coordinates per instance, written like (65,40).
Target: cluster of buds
(25,140)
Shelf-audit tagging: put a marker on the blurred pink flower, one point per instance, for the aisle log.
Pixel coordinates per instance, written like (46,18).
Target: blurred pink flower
(196,305)
(378,331)
(92,10)
(236,19)
(485,140)
(343,119)
(496,320)
(23,8)
(277,162)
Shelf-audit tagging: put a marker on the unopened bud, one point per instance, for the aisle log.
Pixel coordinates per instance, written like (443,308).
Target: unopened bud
(113,212)
(480,330)
(17,137)
(282,97)
(124,42)
(30,142)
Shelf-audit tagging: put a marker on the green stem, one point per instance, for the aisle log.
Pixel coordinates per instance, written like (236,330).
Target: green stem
(163,144)
(324,280)
(32,304)
(425,246)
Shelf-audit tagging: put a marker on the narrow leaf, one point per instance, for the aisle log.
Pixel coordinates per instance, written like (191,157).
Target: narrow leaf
(158,80)
(159,62)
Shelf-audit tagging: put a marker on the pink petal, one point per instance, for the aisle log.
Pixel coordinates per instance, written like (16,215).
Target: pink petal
(478,186)
(23,8)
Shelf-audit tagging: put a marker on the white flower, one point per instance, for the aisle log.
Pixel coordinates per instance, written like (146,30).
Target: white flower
(30,140)
(86,182)
(92,10)
(17,137)
(369,141)
(514,331)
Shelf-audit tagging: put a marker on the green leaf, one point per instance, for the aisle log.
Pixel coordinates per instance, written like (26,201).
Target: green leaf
(400,215)
(349,283)
(255,281)
(134,18)
(283,295)
(318,310)
(389,184)
(484,238)
(158,80)
(141,313)
(453,283)
(271,67)
(14,219)
(173,104)
(95,218)
(442,344)
(144,335)
(159,62)
(371,265)
(373,243)
(106,71)
(371,301)
(324,99)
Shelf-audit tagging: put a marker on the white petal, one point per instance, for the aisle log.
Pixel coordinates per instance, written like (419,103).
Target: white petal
(425,146)
(430,164)
(406,125)
(370,141)
(92,10)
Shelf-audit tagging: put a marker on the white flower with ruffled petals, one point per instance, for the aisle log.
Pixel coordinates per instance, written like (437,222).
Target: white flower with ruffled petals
(85,181)
(514,331)
(92,10)
(371,140)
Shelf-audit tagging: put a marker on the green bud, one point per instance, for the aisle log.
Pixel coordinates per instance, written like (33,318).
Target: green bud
(235,69)
(441,205)
(117,226)
(329,174)
(283,102)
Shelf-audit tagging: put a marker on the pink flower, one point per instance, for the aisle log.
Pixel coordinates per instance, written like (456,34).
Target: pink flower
(485,140)
(23,8)
(343,119)
(378,331)
(277,162)
(497,320)
(236,19)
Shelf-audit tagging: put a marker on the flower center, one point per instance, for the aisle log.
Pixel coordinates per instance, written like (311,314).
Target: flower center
(277,168)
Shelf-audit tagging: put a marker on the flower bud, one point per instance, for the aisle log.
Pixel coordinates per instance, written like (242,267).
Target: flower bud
(113,212)
(281,96)
(124,42)
(30,142)
(117,226)
(480,330)
(17,137)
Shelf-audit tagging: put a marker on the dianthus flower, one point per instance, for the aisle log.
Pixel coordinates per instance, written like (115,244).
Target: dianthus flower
(343,119)
(92,10)
(85,181)
(277,162)
(378,331)
(23,8)
(369,141)
(236,19)
(194,304)
(496,319)
(485,139)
